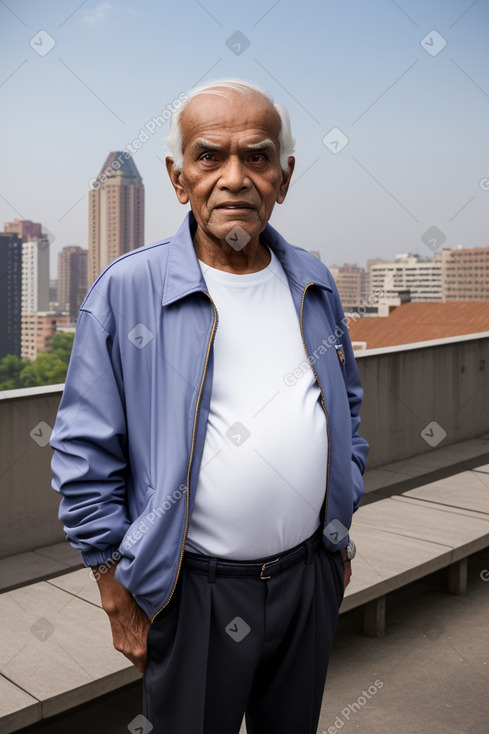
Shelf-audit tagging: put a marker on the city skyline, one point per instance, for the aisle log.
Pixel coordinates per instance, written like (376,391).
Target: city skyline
(462,259)
(388,101)
(451,274)
(117,202)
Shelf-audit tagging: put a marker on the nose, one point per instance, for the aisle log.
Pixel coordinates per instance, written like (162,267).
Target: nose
(234,176)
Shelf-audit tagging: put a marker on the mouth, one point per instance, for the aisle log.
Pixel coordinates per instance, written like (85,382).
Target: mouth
(235,206)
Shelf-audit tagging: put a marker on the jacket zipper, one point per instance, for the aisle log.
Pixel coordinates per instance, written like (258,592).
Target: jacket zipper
(323,402)
(192,447)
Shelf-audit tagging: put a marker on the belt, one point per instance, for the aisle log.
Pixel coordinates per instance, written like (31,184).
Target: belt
(263,568)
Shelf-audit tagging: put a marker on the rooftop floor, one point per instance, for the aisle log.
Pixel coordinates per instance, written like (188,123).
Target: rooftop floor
(433,665)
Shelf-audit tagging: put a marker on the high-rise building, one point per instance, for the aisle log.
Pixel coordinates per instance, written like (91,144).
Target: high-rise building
(35,275)
(465,274)
(72,279)
(37,330)
(420,276)
(10,293)
(24,228)
(351,281)
(116,213)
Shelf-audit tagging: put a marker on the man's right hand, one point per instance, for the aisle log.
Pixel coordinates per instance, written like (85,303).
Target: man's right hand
(129,623)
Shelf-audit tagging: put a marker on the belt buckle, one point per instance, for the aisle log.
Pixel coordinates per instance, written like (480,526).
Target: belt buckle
(264,569)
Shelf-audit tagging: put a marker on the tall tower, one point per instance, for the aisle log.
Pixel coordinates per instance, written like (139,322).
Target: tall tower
(116,213)
(10,293)
(35,275)
(72,279)
(35,264)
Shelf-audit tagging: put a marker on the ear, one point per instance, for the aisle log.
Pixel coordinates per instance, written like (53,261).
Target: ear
(175,178)
(286,176)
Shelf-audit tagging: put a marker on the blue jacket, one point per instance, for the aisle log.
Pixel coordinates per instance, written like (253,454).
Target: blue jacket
(131,425)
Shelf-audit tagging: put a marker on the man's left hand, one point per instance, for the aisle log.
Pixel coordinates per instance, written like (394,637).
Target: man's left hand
(347,567)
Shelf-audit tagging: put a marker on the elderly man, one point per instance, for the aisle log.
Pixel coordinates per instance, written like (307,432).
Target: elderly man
(206,445)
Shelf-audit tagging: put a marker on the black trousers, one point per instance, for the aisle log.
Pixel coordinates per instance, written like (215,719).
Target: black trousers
(224,647)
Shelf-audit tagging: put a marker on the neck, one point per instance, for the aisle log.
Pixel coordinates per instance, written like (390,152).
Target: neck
(254,256)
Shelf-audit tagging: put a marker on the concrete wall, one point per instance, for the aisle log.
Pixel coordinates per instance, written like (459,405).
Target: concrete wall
(445,384)
(29,507)
(415,395)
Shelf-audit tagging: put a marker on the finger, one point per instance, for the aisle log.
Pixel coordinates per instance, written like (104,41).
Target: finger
(140,664)
(139,661)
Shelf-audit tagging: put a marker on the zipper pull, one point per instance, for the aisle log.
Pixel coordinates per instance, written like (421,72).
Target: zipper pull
(340,354)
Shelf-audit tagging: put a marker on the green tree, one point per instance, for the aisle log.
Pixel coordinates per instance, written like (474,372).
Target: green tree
(10,368)
(61,344)
(47,369)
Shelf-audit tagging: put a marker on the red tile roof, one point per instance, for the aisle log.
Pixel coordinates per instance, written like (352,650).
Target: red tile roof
(419,322)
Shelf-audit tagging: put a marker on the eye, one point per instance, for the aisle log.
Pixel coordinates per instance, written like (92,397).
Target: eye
(258,159)
(208,157)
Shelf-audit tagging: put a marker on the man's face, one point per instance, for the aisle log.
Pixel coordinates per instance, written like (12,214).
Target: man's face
(231,164)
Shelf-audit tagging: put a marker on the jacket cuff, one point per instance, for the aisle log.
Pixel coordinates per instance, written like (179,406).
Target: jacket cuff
(97,557)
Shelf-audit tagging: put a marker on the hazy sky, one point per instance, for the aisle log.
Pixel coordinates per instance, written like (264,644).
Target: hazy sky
(405,84)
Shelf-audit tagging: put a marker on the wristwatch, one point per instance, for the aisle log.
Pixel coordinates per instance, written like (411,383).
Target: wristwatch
(351,550)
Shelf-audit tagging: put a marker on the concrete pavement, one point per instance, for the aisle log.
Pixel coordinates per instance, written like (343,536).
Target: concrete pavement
(429,674)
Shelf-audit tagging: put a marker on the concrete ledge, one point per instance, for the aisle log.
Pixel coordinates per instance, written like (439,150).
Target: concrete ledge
(403,538)
(440,463)
(386,562)
(17,708)
(55,653)
(484,469)
(38,565)
(467,490)
(79,584)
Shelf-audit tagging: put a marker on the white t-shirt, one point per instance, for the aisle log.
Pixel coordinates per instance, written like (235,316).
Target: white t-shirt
(262,478)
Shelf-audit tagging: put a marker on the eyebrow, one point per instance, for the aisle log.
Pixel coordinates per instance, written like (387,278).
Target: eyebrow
(263,145)
(202,144)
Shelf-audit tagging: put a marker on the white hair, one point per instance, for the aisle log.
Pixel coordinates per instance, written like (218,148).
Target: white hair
(174,140)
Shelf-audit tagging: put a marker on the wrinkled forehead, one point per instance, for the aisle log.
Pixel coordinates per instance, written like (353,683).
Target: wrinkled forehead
(215,114)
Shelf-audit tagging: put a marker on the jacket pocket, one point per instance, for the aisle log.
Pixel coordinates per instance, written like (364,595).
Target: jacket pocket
(140,526)
(338,569)
(147,498)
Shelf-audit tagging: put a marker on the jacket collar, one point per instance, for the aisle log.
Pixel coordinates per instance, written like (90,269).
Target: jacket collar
(184,276)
